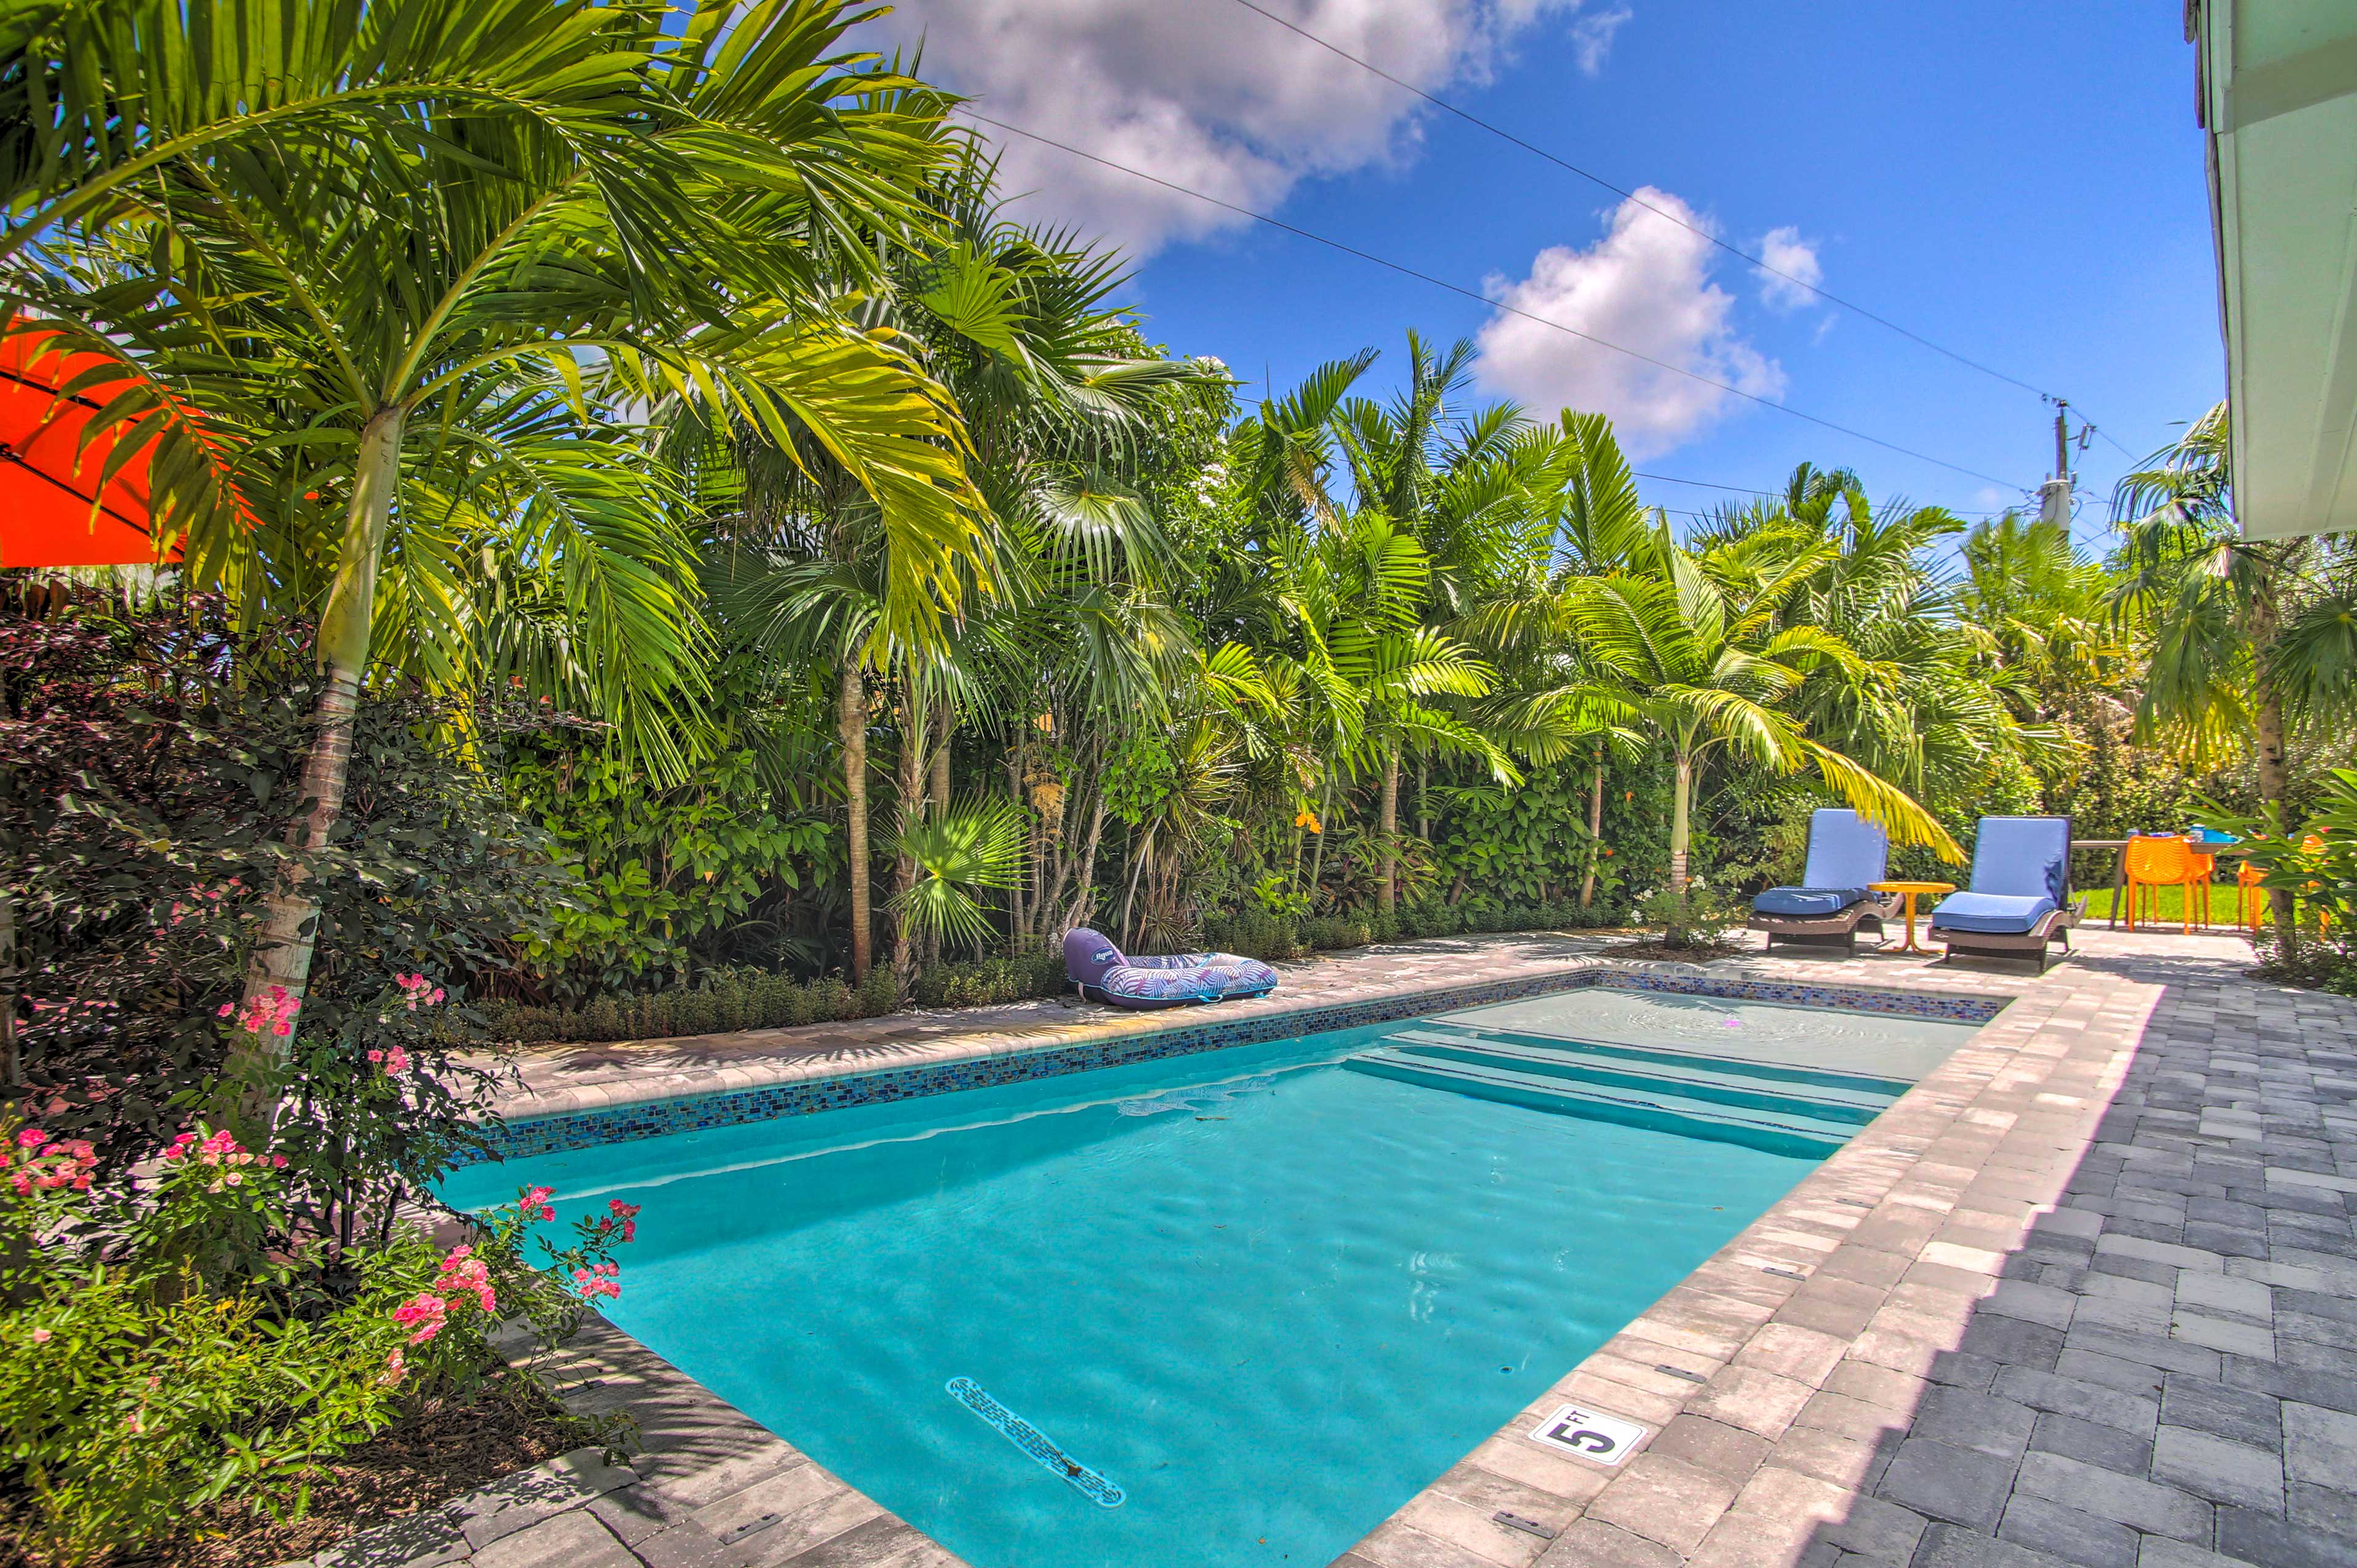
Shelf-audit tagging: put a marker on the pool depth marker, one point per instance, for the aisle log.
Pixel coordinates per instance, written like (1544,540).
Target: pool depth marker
(1037,1444)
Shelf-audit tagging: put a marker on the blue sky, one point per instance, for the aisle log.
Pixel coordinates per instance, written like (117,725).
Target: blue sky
(2021,185)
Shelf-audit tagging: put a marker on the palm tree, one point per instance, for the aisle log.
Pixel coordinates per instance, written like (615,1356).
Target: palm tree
(410,258)
(1055,389)
(1701,663)
(2041,605)
(2253,640)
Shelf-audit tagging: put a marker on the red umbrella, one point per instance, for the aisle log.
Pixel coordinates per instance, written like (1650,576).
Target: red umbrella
(54,510)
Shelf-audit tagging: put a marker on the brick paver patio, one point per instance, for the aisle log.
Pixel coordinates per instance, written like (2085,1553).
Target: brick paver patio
(2087,1295)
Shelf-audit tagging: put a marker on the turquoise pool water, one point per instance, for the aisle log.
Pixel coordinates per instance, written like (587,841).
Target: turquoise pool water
(1267,1292)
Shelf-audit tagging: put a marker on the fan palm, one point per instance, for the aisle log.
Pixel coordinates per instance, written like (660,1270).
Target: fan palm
(408,258)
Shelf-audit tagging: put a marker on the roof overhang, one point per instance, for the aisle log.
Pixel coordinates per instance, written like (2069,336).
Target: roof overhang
(2278,97)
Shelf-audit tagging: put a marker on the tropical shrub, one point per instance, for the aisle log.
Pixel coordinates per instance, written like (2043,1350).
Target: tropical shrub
(667,873)
(988,982)
(148,760)
(2311,869)
(148,1371)
(1697,916)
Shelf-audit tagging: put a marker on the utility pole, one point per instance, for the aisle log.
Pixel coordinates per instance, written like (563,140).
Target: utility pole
(2054,495)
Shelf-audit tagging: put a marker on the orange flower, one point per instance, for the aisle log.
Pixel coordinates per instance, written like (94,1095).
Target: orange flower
(1308,819)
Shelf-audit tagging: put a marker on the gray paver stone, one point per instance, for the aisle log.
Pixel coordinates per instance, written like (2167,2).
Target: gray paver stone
(2143,1504)
(2092,1443)
(1947,1483)
(2273,1542)
(881,1541)
(2159,1552)
(2069,1534)
(541,1492)
(2326,1508)
(2212,1467)
(1665,1500)
(1986,1424)
(2321,1446)
(2231,1412)
(2078,1397)
(1592,1543)
(1948,1546)
(416,1542)
(573,1540)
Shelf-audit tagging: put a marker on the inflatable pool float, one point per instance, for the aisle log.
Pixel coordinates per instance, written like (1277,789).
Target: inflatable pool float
(1102,972)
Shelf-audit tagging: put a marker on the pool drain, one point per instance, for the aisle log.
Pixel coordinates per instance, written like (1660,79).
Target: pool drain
(1037,1444)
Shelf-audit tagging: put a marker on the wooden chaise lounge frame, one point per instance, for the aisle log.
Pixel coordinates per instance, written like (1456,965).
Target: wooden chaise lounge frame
(2032,944)
(1828,930)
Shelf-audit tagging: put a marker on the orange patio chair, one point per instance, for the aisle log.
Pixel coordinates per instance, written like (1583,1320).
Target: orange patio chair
(2250,898)
(2200,867)
(2157,861)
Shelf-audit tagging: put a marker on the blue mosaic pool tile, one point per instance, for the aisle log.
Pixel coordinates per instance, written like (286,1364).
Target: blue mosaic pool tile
(653,1119)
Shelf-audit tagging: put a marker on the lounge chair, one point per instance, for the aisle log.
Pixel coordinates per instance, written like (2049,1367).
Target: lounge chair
(1847,853)
(2020,895)
(1100,971)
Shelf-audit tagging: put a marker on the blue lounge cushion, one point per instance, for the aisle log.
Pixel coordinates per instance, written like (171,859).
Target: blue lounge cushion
(1805,903)
(1995,913)
(2023,857)
(1845,853)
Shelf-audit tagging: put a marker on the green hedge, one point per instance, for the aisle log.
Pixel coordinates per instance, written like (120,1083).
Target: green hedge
(727,1000)
(1264,937)
(748,999)
(988,982)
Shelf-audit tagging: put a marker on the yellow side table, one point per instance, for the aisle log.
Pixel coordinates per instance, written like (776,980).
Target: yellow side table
(1911,891)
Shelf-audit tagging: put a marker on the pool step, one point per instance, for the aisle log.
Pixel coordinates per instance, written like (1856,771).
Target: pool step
(1715,1079)
(1448,1032)
(1795,1130)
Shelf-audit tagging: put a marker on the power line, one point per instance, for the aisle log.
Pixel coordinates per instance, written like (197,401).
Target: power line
(1478,297)
(1594,178)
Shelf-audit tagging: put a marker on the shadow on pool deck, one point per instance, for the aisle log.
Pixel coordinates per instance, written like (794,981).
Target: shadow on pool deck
(2107,1316)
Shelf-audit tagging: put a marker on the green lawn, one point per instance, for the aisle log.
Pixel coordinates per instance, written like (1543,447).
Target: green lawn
(2173,905)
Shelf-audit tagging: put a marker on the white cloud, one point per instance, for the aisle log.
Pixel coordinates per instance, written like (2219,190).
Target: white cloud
(1645,286)
(1792,272)
(1206,94)
(1591,36)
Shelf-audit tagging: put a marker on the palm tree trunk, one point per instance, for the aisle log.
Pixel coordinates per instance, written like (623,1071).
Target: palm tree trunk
(937,794)
(1387,896)
(1423,806)
(2275,787)
(851,725)
(1681,827)
(1084,895)
(1318,855)
(1594,832)
(909,802)
(282,957)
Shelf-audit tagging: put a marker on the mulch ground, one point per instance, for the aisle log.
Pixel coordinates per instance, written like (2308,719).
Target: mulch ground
(442,1452)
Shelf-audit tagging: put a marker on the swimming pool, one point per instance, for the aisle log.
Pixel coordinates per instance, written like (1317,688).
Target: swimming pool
(1256,1296)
